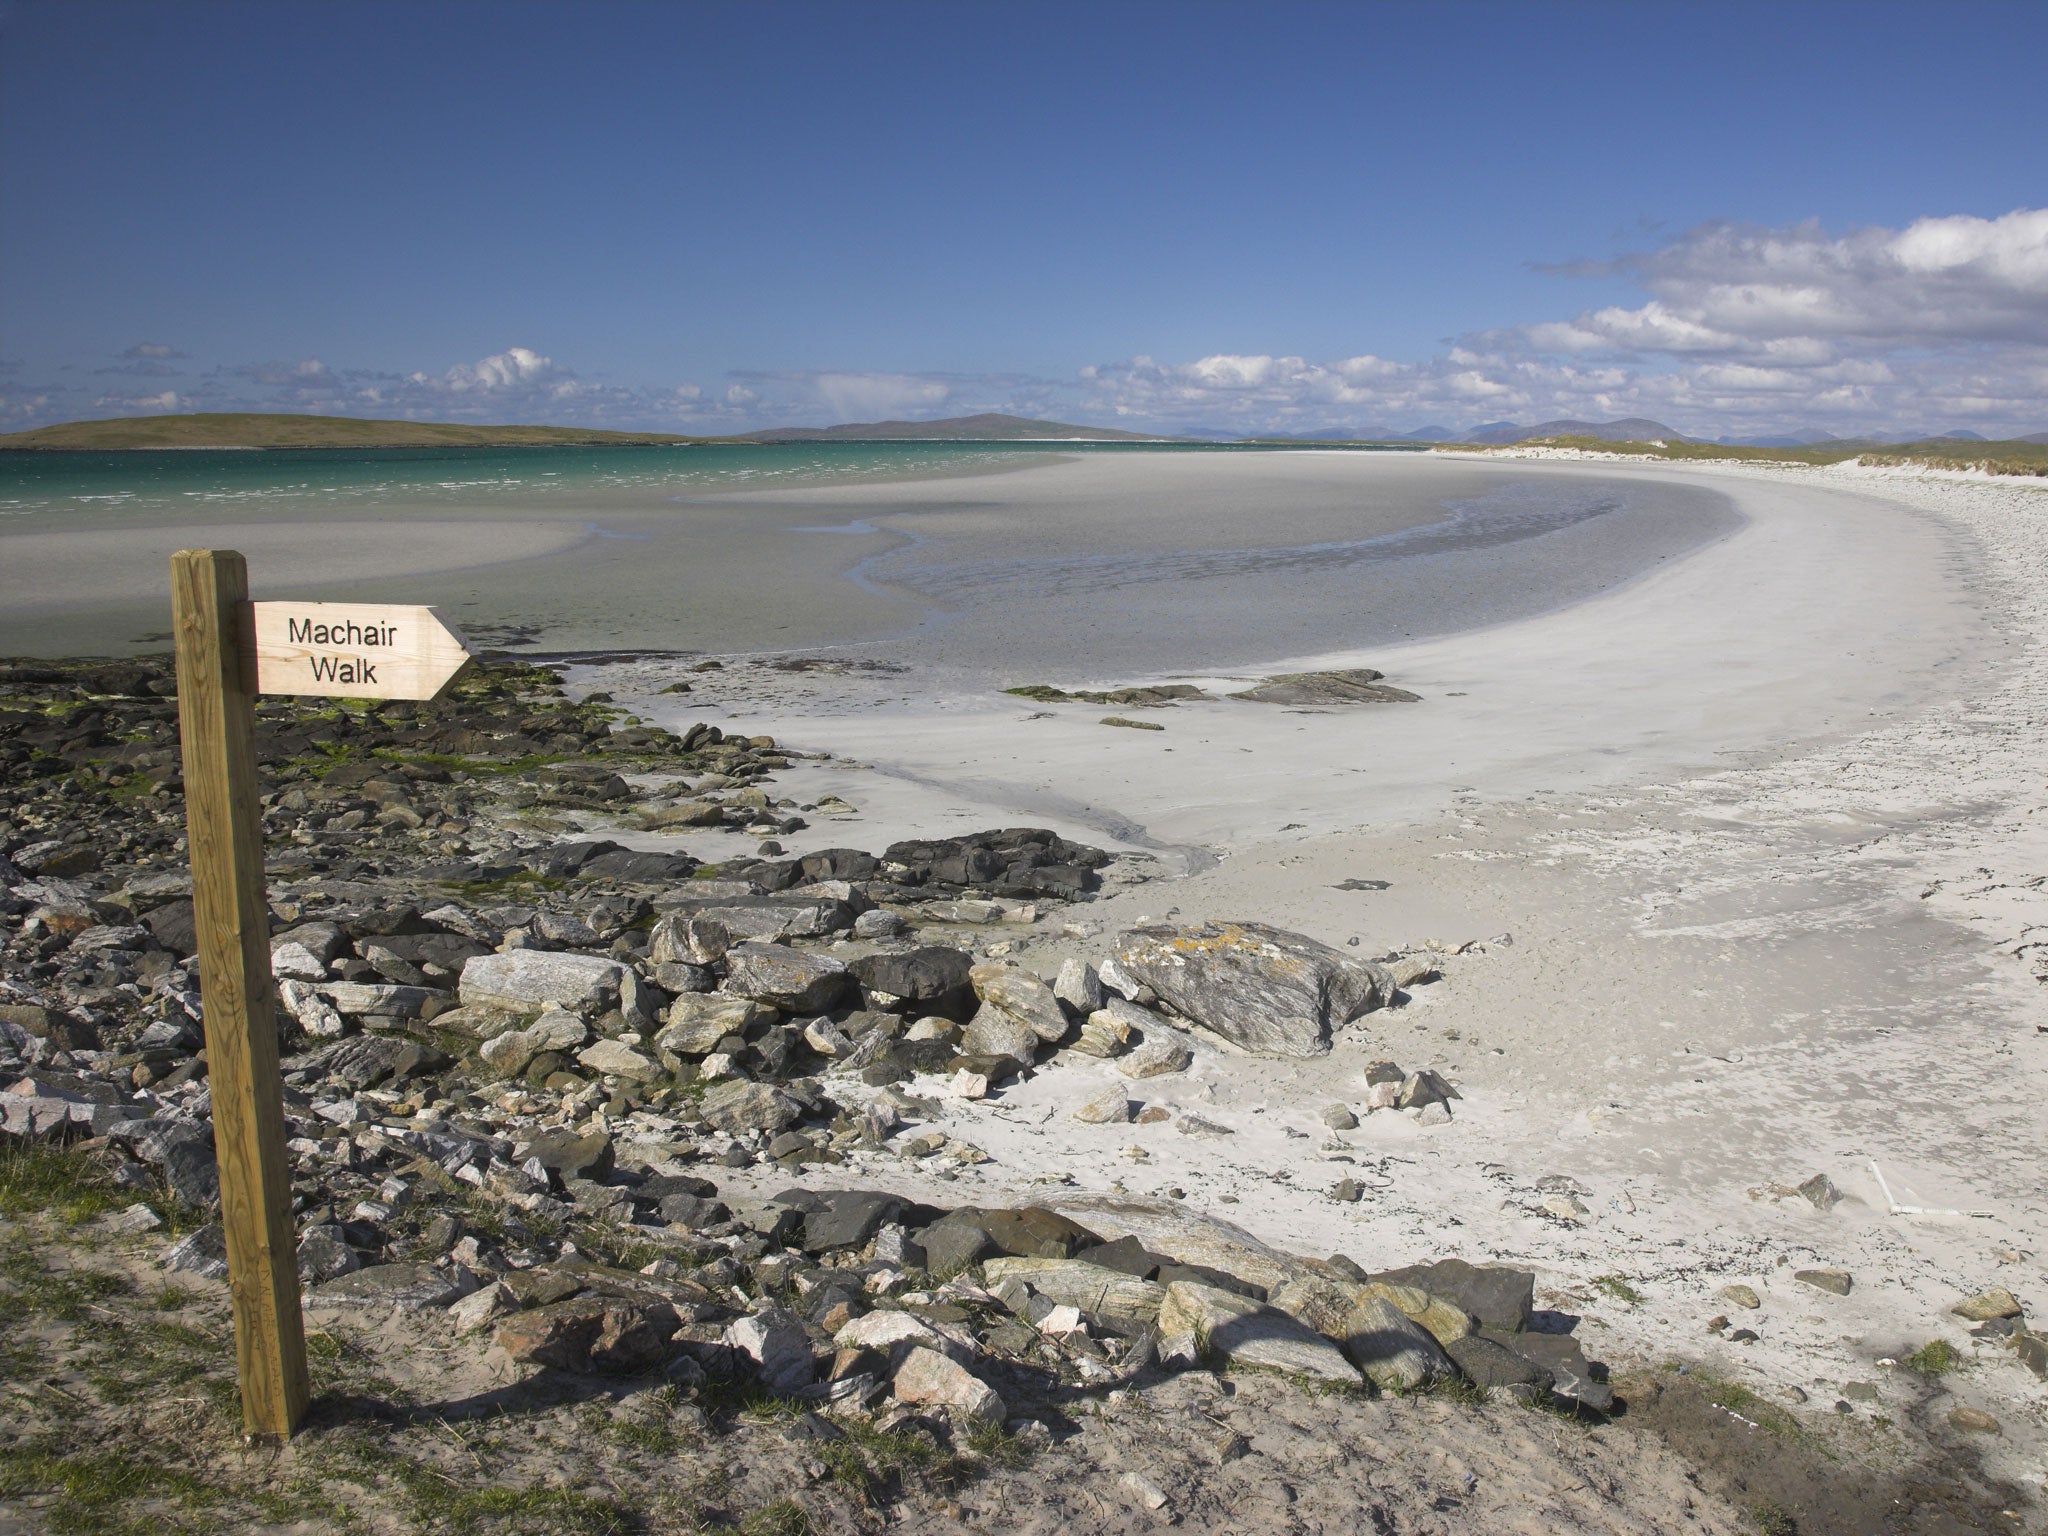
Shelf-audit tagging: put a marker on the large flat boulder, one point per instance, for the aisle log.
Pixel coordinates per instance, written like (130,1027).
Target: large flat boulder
(1245,1332)
(932,979)
(1263,989)
(785,978)
(530,980)
(1169,1228)
(1498,1295)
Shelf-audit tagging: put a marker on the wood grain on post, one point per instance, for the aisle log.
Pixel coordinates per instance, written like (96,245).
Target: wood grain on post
(224,835)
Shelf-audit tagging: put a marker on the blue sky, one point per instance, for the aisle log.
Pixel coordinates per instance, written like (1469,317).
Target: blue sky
(709,217)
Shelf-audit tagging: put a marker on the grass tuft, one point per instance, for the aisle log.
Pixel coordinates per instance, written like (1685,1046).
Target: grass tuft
(1936,1358)
(785,1517)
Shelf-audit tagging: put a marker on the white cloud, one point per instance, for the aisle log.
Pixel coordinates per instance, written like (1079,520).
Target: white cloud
(151,351)
(1734,288)
(143,405)
(515,369)
(1942,323)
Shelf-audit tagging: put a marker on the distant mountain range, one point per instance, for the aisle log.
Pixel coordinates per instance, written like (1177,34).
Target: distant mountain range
(988,427)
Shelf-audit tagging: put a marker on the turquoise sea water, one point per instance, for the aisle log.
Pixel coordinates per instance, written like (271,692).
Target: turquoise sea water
(198,479)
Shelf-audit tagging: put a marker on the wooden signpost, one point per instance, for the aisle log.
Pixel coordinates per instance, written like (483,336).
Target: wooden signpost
(229,650)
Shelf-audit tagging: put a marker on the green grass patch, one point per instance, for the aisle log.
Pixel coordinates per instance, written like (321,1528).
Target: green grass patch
(447,1508)
(1738,1399)
(1773,1519)
(871,1462)
(1618,1288)
(129,1361)
(33,1289)
(1935,1358)
(103,1493)
(66,1184)
(785,1517)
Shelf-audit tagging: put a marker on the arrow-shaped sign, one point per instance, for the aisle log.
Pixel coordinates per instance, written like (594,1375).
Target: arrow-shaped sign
(355,650)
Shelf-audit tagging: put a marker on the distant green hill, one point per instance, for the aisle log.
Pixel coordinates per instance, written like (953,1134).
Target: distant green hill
(251,430)
(989,427)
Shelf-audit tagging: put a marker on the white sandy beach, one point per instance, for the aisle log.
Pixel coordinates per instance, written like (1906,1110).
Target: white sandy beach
(1757,850)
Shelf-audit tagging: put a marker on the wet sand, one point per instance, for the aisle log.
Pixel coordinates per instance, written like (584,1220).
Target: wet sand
(1065,566)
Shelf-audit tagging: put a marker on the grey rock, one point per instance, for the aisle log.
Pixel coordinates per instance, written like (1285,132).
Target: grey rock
(568,1156)
(735,1107)
(1160,1056)
(950,1246)
(1358,685)
(1245,1332)
(698,1021)
(367,1060)
(1821,1191)
(182,1152)
(414,1287)
(324,1254)
(687,938)
(1094,1288)
(1496,1369)
(847,1218)
(203,1253)
(684,976)
(1836,1282)
(1012,990)
(1571,1375)
(1261,988)
(529,980)
(692,1211)
(354,1000)
(992,1032)
(1498,1295)
(878,924)
(933,979)
(778,1347)
(786,978)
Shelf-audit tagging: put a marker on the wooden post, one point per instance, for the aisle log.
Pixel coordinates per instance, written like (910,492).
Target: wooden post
(224,834)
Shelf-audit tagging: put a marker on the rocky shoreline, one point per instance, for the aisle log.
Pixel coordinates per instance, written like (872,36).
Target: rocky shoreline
(536,1078)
